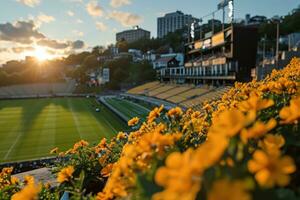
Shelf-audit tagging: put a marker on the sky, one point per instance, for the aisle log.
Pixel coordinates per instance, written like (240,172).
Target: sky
(51,28)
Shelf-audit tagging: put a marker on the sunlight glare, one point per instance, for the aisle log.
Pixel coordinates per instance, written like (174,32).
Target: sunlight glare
(41,54)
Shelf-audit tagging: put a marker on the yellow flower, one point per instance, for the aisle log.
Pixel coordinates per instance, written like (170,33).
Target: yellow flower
(105,172)
(134,121)
(28,179)
(14,180)
(175,112)
(154,113)
(6,171)
(207,107)
(230,122)
(29,192)
(53,151)
(272,143)
(271,169)
(255,103)
(101,146)
(121,135)
(65,174)
(211,151)
(179,177)
(81,143)
(291,114)
(257,130)
(225,189)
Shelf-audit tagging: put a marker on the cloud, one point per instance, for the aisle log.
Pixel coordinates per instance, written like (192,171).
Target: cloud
(79,21)
(125,18)
(55,44)
(119,3)
(43,18)
(76,1)
(22,49)
(78,33)
(30,3)
(70,13)
(78,44)
(94,9)
(101,26)
(24,32)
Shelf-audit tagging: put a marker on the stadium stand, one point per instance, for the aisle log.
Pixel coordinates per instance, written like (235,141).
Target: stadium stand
(211,95)
(186,96)
(31,90)
(161,89)
(173,92)
(142,89)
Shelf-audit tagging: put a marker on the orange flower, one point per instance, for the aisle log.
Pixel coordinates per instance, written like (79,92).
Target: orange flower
(6,171)
(14,180)
(28,179)
(29,192)
(105,172)
(154,113)
(134,121)
(271,169)
(175,112)
(230,122)
(65,174)
(255,103)
(179,178)
(81,143)
(272,143)
(257,130)
(225,189)
(121,135)
(291,114)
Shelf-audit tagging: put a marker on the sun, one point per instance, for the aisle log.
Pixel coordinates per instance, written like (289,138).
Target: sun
(41,54)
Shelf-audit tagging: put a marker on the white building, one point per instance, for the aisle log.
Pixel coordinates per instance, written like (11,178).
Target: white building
(169,60)
(292,40)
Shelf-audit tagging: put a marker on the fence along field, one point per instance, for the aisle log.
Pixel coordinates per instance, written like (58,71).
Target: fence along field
(31,128)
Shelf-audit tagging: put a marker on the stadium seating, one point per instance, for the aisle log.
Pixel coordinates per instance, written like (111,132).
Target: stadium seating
(173,92)
(159,90)
(211,95)
(184,95)
(37,89)
(143,88)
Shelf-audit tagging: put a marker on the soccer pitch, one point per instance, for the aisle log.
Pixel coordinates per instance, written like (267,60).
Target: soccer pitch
(129,109)
(31,128)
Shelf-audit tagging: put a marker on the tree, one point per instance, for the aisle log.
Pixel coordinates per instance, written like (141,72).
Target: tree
(90,62)
(122,46)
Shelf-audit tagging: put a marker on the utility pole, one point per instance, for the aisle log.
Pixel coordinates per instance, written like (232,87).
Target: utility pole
(264,50)
(201,28)
(277,44)
(223,23)
(213,23)
(289,38)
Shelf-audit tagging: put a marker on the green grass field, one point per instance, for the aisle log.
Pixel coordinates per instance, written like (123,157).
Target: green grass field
(31,128)
(128,108)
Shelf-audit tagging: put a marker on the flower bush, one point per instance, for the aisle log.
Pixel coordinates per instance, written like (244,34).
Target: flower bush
(243,146)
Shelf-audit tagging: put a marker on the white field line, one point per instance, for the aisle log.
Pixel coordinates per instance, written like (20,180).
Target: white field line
(75,118)
(15,142)
(51,135)
(109,124)
(140,106)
